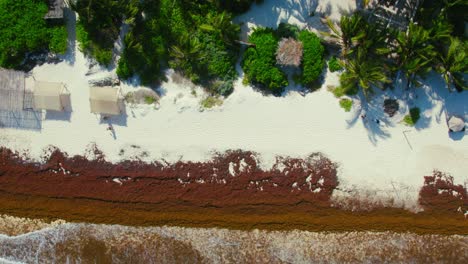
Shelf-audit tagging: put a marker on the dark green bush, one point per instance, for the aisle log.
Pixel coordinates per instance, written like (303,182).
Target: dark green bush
(286,30)
(259,62)
(195,38)
(23,29)
(412,117)
(312,60)
(58,40)
(123,71)
(334,65)
(98,26)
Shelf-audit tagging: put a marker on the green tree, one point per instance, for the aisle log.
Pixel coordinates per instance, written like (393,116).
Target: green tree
(349,32)
(360,72)
(415,52)
(22,29)
(259,62)
(453,63)
(312,61)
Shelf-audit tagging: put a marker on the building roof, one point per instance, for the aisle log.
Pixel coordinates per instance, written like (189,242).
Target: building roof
(104,100)
(47,96)
(289,52)
(55,9)
(12,84)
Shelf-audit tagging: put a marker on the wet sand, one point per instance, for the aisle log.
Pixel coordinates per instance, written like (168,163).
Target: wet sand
(230,191)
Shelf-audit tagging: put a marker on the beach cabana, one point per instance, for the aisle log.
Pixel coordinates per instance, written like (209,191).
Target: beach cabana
(456,124)
(105,100)
(47,96)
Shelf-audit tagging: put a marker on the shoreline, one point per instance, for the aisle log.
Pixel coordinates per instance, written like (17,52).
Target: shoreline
(212,194)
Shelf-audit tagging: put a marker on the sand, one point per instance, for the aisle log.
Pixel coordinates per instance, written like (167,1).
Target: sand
(376,161)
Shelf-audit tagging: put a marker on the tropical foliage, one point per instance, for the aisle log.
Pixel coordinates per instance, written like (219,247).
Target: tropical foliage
(346,104)
(360,72)
(23,29)
(413,116)
(453,63)
(196,38)
(348,33)
(259,62)
(415,52)
(312,62)
(98,27)
(334,64)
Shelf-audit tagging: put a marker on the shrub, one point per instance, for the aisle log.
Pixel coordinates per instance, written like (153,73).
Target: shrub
(123,71)
(23,29)
(312,62)
(82,37)
(150,100)
(259,61)
(346,104)
(412,117)
(211,102)
(334,64)
(98,27)
(286,30)
(103,56)
(58,40)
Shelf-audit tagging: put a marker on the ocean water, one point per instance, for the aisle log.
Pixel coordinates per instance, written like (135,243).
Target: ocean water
(26,241)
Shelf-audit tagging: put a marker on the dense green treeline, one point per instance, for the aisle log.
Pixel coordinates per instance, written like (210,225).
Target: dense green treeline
(196,38)
(23,29)
(373,54)
(260,59)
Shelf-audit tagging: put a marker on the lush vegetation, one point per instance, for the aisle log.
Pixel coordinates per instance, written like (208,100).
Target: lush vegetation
(23,29)
(98,27)
(196,38)
(346,104)
(262,67)
(373,55)
(412,117)
(312,62)
(259,62)
(210,102)
(334,64)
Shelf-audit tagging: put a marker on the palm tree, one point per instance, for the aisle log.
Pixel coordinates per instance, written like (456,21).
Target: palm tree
(453,63)
(415,52)
(187,53)
(350,31)
(221,23)
(362,72)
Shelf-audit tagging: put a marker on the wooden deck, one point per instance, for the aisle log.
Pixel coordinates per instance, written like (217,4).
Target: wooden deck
(12,90)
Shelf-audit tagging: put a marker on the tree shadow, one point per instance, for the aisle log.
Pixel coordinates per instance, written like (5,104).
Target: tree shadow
(371,113)
(25,119)
(272,13)
(457,136)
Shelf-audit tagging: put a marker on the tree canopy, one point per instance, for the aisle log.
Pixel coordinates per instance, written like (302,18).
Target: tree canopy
(24,29)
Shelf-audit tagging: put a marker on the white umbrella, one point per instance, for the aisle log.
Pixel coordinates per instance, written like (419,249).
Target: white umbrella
(456,124)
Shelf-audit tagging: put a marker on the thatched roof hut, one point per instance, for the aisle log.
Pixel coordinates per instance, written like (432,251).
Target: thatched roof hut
(289,52)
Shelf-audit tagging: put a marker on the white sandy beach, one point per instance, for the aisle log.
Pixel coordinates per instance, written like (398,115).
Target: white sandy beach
(376,160)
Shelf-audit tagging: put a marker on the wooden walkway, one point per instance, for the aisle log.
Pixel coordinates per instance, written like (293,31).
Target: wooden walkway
(12,88)
(16,102)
